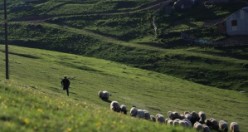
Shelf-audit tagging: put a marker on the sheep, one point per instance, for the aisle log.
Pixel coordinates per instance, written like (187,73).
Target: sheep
(223,126)
(104,95)
(152,118)
(195,117)
(212,123)
(176,122)
(174,115)
(170,122)
(166,120)
(188,116)
(147,115)
(182,123)
(133,111)
(198,126)
(205,128)
(160,118)
(187,123)
(186,112)
(202,116)
(100,94)
(234,127)
(123,109)
(114,105)
(140,113)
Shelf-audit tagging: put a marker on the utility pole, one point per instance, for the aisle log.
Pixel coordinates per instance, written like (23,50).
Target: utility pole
(6,40)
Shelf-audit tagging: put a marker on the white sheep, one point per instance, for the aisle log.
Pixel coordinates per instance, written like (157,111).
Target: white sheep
(205,128)
(114,105)
(160,118)
(104,95)
(170,122)
(182,123)
(223,126)
(234,127)
(174,115)
(212,123)
(123,109)
(195,117)
(176,122)
(187,123)
(188,116)
(147,115)
(140,113)
(198,126)
(202,116)
(152,118)
(133,111)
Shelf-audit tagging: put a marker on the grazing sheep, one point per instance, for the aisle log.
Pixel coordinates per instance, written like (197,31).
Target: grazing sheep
(188,116)
(140,113)
(186,112)
(147,115)
(234,127)
(166,120)
(195,117)
(174,115)
(104,95)
(160,118)
(202,116)
(152,118)
(133,111)
(212,123)
(223,126)
(176,122)
(100,94)
(170,122)
(198,126)
(123,109)
(182,123)
(114,105)
(188,123)
(205,128)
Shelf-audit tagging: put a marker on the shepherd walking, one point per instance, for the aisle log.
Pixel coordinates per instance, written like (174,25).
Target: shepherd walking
(66,84)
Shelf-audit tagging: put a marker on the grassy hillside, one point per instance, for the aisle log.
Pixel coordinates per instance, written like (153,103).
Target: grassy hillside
(224,68)
(122,31)
(34,100)
(25,108)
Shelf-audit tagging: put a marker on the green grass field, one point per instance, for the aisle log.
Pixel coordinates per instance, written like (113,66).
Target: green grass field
(220,67)
(34,101)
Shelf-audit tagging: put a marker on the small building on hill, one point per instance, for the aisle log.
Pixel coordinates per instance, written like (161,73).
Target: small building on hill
(236,23)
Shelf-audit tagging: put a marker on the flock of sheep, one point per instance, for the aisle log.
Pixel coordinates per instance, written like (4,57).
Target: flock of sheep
(188,119)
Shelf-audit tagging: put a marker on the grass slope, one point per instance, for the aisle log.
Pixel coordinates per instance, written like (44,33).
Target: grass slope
(122,31)
(34,94)
(224,68)
(24,108)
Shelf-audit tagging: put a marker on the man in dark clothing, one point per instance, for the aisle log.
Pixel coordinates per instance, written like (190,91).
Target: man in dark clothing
(66,84)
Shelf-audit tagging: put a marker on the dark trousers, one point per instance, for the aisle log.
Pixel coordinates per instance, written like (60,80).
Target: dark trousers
(67,91)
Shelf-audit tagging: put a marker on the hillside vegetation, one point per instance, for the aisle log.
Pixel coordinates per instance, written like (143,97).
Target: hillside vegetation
(122,31)
(34,101)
